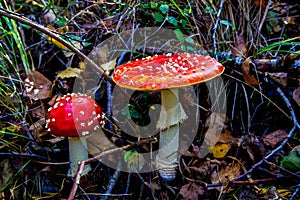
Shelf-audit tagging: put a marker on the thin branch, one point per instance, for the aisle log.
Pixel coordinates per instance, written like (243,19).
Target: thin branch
(215,29)
(285,141)
(96,158)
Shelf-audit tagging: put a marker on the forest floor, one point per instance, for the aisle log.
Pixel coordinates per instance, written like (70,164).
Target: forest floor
(241,137)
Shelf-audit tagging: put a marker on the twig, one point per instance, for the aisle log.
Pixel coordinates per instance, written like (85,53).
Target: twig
(289,105)
(295,192)
(96,158)
(112,183)
(57,37)
(215,29)
(290,135)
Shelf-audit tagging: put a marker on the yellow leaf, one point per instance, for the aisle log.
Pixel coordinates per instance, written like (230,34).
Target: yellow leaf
(70,72)
(220,150)
(81,65)
(57,43)
(109,66)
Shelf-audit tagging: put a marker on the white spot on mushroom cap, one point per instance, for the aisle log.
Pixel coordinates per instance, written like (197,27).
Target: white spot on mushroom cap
(81,112)
(85,133)
(55,105)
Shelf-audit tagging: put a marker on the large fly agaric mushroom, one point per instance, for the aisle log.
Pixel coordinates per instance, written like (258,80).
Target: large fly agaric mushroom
(167,73)
(75,116)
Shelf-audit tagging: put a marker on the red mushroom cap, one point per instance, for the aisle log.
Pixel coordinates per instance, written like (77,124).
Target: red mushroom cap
(74,115)
(167,71)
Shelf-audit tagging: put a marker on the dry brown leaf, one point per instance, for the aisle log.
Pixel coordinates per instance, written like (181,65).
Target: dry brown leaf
(279,77)
(261,3)
(37,86)
(248,78)
(191,191)
(240,47)
(296,95)
(226,174)
(272,139)
(37,129)
(70,72)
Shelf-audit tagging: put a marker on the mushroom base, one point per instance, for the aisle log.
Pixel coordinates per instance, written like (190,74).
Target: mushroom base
(78,152)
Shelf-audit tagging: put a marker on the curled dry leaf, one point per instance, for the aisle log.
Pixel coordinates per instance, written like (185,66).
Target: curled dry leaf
(191,191)
(248,77)
(272,139)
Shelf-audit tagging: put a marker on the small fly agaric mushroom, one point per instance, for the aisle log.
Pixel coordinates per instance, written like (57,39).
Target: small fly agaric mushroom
(75,116)
(167,73)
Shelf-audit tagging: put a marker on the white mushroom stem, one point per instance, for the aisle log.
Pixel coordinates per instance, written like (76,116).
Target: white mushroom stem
(171,115)
(77,152)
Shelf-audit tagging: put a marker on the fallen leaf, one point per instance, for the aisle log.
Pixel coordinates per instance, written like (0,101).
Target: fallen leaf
(220,150)
(279,77)
(37,86)
(37,128)
(70,72)
(191,191)
(240,47)
(248,78)
(292,161)
(134,160)
(109,66)
(272,139)
(261,3)
(225,174)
